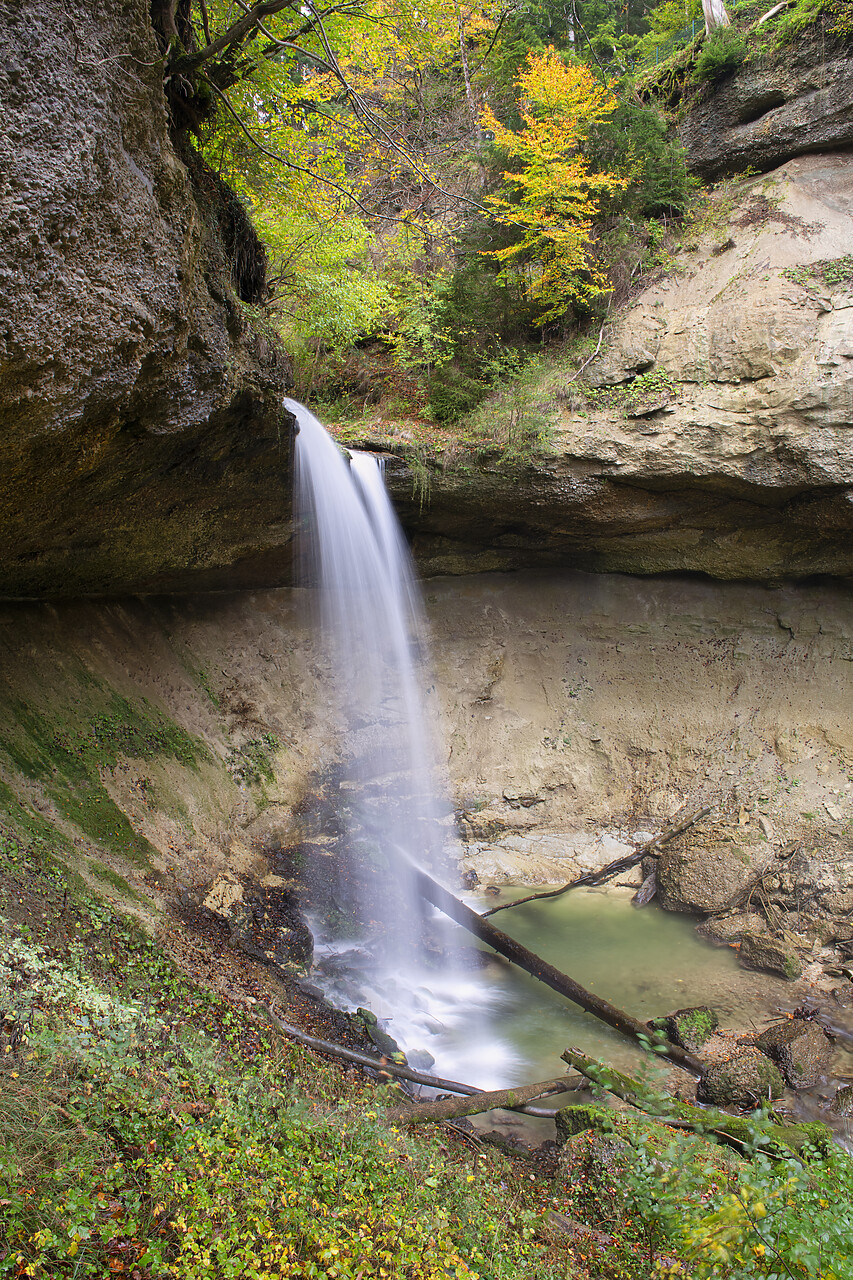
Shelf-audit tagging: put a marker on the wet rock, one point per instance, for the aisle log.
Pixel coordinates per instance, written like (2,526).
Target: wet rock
(647,890)
(706,878)
(265,923)
(842,1103)
(420,1059)
(768,955)
(801,1048)
(724,931)
(386,1044)
(744,1079)
(690,1028)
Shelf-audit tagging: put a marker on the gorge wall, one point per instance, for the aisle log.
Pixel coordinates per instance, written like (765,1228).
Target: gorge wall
(141,441)
(173,740)
(143,447)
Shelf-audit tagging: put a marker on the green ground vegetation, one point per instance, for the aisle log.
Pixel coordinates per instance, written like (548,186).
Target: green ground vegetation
(152,1129)
(67,739)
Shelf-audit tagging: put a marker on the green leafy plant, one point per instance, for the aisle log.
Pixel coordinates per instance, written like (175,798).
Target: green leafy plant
(722,52)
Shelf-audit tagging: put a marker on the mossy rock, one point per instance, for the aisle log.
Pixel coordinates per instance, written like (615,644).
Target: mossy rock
(580,1117)
(689,1028)
(767,955)
(745,1079)
(801,1048)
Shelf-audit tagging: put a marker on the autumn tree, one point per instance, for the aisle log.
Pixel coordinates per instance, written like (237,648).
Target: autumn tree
(550,193)
(346,129)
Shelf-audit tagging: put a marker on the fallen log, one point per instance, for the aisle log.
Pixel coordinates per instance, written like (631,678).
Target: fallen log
(615,868)
(740,1132)
(497,1100)
(384,1067)
(545,972)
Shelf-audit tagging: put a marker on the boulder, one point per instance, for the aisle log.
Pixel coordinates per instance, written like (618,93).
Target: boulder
(706,878)
(801,1048)
(725,931)
(689,1028)
(744,1079)
(768,955)
(579,1117)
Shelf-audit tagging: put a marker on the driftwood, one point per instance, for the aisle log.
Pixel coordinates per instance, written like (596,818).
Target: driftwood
(498,1100)
(739,1132)
(545,972)
(615,868)
(384,1067)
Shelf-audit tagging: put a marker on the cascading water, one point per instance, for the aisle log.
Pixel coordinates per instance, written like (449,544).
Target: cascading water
(391,953)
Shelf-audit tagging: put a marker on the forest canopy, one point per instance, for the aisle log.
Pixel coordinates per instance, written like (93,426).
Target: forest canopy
(442,180)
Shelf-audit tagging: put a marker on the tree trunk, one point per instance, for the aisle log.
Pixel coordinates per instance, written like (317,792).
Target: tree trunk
(715,15)
(545,972)
(501,1099)
(740,1132)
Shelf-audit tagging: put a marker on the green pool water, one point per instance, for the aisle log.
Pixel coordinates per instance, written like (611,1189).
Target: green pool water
(647,962)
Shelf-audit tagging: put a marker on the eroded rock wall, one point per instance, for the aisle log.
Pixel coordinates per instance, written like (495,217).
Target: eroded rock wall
(713,432)
(187,733)
(141,439)
(795,101)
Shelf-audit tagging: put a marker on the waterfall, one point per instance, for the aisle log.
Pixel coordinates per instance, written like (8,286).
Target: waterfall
(390,951)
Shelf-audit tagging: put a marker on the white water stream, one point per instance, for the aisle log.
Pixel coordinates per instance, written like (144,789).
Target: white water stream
(395,957)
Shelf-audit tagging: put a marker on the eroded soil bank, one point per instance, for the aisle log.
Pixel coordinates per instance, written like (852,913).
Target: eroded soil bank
(175,740)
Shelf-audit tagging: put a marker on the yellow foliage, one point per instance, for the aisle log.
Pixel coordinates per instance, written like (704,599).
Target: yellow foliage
(555,190)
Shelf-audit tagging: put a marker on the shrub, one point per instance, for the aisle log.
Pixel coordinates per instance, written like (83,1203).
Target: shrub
(637,144)
(722,52)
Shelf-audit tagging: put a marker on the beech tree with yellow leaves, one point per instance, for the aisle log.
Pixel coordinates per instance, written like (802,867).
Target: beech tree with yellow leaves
(551,195)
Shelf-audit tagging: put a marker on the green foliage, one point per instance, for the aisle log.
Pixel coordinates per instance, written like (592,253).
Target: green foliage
(145,1124)
(252,762)
(637,144)
(68,760)
(669,24)
(642,392)
(833,273)
(722,52)
(518,416)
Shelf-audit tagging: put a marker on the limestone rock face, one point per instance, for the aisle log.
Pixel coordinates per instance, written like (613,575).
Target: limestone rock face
(140,440)
(705,878)
(767,112)
(714,431)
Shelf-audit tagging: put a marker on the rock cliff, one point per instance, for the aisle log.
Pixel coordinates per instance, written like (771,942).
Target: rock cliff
(140,442)
(797,101)
(714,430)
